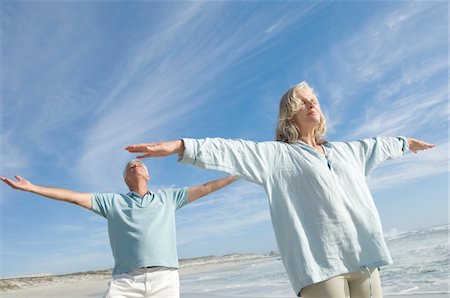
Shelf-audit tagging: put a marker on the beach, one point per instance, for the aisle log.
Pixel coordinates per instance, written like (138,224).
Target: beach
(198,277)
(421,269)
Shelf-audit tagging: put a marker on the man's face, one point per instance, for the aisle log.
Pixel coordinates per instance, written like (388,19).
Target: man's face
(135,170)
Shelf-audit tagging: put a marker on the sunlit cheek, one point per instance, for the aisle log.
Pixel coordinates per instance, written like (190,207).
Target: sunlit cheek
(299,117)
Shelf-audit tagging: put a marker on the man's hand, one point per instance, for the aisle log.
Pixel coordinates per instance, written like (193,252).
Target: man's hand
(417,145)
(157,149)
(21,183)
(79,198)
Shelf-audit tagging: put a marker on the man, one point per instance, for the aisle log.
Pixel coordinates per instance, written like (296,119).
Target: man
(141,226)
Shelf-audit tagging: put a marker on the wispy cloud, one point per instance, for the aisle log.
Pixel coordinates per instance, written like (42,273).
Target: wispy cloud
(43,100)
(12,157)
(234,210)
(61,248)
(80,83)
(382,84)
(410,167)
(405,115)
(378,63)
(168,76)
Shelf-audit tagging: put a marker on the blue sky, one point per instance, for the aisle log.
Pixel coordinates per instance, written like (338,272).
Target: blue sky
(80,81)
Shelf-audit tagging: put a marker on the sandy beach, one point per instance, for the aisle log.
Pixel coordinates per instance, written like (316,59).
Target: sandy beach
(196,275)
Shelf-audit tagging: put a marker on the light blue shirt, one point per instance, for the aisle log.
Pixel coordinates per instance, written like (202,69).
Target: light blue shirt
(141,229)
(324,218)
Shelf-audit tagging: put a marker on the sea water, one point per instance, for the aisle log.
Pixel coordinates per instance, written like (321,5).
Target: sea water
(421,262)
(421,266)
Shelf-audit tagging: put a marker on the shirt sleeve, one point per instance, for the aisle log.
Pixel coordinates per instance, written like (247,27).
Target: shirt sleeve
(372,152)
(180,197)
(101,203)
(249,160)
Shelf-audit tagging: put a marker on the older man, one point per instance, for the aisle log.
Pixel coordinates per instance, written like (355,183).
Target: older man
(141,226)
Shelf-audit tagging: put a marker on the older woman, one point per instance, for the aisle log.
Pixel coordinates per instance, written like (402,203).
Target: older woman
(326,224)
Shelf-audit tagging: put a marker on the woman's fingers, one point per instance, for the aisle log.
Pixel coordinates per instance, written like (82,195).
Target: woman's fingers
(138,147)
(417,145)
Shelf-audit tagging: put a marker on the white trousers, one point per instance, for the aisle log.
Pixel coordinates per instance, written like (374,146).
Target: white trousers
(158,282)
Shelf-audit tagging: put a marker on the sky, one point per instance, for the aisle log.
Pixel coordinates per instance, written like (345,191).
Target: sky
(81,80)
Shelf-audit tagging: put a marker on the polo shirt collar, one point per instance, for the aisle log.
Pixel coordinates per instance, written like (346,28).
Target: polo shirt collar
(135,195)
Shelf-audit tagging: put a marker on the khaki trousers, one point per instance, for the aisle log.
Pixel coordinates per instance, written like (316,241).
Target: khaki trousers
(351,285)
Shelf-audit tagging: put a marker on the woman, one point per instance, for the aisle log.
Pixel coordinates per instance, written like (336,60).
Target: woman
(326,224)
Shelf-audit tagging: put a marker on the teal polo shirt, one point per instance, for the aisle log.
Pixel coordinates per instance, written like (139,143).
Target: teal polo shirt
(141,229)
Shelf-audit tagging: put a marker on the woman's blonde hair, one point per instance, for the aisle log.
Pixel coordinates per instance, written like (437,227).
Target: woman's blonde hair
(287,131)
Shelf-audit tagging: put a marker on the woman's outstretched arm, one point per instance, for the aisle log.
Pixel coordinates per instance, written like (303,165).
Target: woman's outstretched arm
(253,161)
(417,145)
(159,149)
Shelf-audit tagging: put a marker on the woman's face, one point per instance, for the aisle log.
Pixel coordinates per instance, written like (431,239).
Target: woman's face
(308,116)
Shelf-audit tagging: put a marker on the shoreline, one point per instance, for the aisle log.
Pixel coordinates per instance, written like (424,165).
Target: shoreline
(193,274)
(95,281)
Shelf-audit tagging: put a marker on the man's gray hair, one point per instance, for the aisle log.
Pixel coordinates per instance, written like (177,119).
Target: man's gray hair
(132,162)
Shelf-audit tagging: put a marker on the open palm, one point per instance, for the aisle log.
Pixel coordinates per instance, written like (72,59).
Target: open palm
(21,183)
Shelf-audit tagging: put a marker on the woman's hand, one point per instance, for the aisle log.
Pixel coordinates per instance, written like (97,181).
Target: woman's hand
(157,149)
(417,145)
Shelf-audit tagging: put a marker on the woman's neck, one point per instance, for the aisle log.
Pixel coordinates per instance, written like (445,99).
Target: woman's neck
(309,138)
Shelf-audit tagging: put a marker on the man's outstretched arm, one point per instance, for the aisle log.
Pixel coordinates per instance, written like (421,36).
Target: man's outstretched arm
(79,198)
(196,192)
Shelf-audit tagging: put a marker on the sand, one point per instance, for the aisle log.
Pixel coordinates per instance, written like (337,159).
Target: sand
(94,284)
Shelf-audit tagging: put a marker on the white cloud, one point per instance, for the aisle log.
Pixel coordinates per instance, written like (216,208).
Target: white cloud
(43,69)
(271,28)
(12,157)
(232,211)
(378,81)
(378,63)
(405,115)
(171,72)
(165,78)
(411,167)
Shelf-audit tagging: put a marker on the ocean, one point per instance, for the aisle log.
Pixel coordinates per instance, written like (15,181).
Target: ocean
(421,262)
(421,267)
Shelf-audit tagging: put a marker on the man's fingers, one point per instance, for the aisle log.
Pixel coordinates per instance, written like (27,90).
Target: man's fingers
(6,180)
(9,182)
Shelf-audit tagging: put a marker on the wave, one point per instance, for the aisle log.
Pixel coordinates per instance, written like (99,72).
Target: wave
(229,258)
(395,235)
